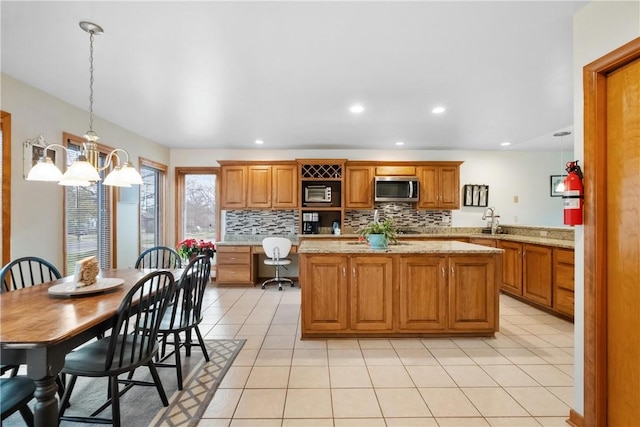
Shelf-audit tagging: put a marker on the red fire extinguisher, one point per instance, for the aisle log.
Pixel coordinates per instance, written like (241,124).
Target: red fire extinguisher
(573,196)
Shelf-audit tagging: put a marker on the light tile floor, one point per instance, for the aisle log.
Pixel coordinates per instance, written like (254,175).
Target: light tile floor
(522,377)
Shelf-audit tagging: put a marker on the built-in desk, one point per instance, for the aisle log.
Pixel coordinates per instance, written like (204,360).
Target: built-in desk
(238,263)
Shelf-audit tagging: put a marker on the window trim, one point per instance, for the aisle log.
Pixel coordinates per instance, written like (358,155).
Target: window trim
(5,122)
(180,172)
(163,198)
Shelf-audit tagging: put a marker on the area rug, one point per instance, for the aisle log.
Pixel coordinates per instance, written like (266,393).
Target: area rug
(141,406)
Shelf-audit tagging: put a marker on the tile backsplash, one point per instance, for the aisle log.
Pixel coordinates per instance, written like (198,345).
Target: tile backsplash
(285,222)
(249,222)
(403,214)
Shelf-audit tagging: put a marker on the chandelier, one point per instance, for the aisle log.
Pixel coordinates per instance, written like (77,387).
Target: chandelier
(86,169)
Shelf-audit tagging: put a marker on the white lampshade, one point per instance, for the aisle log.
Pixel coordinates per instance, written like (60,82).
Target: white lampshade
(81,170)
(130,174)
(116,178)
(44,170)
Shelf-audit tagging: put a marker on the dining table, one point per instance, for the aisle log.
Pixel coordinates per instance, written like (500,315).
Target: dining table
(38,327)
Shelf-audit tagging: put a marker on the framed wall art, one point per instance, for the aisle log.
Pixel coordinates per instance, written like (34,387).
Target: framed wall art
(554,181)
(475,195)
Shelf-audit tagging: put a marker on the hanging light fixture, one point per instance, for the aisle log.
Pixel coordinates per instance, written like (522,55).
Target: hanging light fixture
(560,187)
(86,169)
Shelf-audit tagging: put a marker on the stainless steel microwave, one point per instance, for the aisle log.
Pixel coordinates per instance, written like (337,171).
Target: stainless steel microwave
(317,194)
(396,189)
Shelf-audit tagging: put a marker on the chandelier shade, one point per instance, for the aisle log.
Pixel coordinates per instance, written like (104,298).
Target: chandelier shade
(86,170)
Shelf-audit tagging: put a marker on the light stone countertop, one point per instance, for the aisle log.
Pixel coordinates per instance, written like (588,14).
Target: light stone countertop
(316,246)
(256,240)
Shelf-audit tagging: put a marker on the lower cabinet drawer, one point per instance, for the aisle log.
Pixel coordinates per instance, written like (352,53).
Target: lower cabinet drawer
(225,258)
(233,273)
(563,301)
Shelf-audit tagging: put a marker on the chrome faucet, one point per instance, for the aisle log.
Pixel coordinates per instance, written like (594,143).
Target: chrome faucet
(375,216)
(494,223)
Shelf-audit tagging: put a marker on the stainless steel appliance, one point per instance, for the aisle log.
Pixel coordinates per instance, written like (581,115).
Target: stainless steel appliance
(396,188)
(317,194)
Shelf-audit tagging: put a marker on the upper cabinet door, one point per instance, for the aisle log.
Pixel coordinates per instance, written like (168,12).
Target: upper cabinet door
(234,187)
(285,186)
(259,186)
(359,183)
(429,192)
(449,177)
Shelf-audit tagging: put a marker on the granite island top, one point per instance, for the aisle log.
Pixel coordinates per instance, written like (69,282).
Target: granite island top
(314,246)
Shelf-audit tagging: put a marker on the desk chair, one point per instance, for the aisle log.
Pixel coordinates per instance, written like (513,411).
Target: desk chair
(16,393)
(159,257)
(132,343)
(185,314)
(276,249)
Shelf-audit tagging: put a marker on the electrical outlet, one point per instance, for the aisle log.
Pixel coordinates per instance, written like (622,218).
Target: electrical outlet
(254,230)
(516,199)
(543,233)
(515,218)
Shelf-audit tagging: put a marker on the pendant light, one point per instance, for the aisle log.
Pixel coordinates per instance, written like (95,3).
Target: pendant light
(86,170)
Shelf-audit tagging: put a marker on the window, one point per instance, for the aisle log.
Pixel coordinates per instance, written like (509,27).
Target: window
(88,215)
(196,204)
(152,222)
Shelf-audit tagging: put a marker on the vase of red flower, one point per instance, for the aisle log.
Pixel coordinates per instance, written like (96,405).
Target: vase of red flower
(191,248)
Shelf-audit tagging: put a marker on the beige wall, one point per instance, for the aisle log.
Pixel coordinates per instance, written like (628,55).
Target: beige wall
(37,207)
(598,28)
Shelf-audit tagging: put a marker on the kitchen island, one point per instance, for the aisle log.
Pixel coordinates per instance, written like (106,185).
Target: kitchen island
(413,288)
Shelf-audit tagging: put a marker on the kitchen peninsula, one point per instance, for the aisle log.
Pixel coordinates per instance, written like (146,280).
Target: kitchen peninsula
(413,288)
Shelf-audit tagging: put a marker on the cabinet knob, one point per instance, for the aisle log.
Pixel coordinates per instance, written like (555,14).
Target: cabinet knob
(353,272)
(443,273)
(344,272)
(453,271)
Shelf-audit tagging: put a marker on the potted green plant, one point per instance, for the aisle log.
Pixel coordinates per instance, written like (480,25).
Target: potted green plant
(379,234)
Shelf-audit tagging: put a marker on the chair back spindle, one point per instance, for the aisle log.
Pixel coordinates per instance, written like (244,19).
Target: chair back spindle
(159,257)
(27,271)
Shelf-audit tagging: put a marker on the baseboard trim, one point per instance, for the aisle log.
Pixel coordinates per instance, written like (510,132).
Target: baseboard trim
(575,419)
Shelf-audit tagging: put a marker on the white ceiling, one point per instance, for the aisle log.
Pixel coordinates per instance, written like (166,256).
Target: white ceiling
(223,74)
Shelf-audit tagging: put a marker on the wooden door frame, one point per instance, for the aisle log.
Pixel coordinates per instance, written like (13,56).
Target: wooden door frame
(5,256)
(595,231)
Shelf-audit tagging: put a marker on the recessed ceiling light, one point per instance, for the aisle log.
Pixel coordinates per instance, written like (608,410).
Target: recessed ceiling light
(505,144)
(259,141)
(356,109)
(438,110)
(399,143)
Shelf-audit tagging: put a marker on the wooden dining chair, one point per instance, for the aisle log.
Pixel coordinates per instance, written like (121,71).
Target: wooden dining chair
(159,257)
(27,271)
(21,273)
(131,343)
(15,394)
(185,314)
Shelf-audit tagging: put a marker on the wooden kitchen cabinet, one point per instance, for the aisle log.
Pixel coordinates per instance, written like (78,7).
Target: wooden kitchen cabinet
(371,293)
(324,304)
(284,186)
(234,187)
(234,265)
(484,242)
(422,293)
(563,281)
(537,274)
(359,187)
(259,185)
(511,267)
(472,293)
(439,186)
